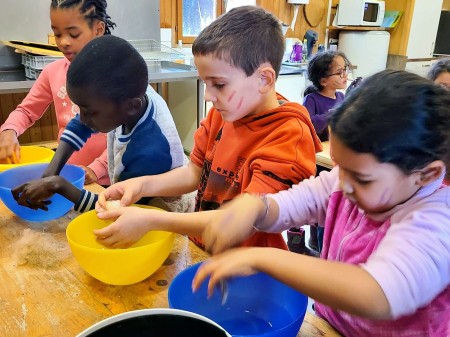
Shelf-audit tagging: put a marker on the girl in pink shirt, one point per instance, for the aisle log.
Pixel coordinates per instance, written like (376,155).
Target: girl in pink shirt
(74,23)
(385,265)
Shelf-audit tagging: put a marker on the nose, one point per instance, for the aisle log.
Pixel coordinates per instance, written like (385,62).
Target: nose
(65,41)
(209,96)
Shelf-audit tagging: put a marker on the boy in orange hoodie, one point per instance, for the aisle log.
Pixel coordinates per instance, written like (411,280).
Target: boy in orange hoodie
(252,140)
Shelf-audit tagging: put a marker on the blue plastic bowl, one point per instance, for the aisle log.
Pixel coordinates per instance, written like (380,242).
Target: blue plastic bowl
(22,174)
(257,305)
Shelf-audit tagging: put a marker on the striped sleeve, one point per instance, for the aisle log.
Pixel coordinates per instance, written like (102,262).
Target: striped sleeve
(76,133)
(86,202)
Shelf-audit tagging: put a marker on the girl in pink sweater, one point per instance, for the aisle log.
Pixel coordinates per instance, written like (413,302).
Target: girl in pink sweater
(385,264)
(74,23)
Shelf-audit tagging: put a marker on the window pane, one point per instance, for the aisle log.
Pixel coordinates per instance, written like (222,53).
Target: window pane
(197,14)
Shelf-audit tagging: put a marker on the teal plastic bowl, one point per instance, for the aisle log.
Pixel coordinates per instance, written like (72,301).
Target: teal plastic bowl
(257,305)
(22,174)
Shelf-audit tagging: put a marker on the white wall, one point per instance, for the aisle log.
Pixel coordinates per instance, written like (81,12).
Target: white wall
(29,19)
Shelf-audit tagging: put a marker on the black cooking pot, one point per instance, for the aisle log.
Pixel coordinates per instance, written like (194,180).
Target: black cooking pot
(155,323)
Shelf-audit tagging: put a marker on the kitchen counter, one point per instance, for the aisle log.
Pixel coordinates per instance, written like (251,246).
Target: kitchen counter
(45,293)
(291,70)
(15,81)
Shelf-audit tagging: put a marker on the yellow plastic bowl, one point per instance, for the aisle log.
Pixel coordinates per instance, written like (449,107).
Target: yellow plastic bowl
(31,155)
(116,266)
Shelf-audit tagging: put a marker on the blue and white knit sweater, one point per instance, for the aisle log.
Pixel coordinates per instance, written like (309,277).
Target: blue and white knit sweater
(152,147)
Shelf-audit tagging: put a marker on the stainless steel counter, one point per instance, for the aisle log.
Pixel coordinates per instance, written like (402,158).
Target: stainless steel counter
(15,82)
(292,70)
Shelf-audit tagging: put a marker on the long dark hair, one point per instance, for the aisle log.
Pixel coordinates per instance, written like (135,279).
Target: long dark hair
(399,117)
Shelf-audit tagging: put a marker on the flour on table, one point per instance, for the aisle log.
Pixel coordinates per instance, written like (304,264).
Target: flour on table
(40,249)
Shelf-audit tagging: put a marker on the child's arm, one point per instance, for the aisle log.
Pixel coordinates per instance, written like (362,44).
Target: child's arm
(172,183)
(35,194)
(72,139)
(133,222)
(31,109)
(341,286)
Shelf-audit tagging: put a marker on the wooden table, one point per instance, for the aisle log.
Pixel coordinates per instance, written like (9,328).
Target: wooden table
(45,293)
(323,158)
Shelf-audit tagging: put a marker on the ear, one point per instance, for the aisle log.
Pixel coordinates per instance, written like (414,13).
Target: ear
(99,28)
(133,106)
(267,79)
(323,82)
(430,173)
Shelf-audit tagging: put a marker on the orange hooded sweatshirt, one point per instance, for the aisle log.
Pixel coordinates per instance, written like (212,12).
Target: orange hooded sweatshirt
(263,153)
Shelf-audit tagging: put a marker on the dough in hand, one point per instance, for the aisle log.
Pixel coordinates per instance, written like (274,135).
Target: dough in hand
(112,204)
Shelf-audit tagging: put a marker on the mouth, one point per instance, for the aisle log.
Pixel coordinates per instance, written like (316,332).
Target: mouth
(69,55)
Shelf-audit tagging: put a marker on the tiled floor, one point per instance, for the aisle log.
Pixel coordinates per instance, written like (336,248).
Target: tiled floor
(310,300)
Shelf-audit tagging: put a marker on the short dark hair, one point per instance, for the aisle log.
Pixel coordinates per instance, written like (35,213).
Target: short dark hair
(439,67)
(111,67)
(399,117)
(91,10)
(319,66)
(245,37)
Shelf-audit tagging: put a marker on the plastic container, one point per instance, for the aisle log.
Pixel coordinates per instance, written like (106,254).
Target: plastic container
(297,53)
(155,322)
(30,155)
(38,62)
(116,266)
(257,306)
(22,174)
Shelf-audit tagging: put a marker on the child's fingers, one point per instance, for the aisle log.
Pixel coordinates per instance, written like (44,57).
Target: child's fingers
(15,159)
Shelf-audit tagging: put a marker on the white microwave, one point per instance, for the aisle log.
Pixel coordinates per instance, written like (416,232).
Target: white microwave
(360,13)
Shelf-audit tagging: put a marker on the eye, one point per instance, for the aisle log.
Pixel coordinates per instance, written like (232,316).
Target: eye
(74,36)
(219,85)
(362,182)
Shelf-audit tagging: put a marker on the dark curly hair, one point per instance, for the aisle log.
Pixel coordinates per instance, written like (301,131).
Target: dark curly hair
(111,67)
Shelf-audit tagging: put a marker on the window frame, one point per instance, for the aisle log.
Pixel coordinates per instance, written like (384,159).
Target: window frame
(220,9)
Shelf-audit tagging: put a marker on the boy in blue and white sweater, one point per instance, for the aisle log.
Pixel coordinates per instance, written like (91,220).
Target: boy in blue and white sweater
(114,97)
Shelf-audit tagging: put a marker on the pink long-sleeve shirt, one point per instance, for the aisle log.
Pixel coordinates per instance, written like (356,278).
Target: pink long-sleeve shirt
(51,87)
(405,249)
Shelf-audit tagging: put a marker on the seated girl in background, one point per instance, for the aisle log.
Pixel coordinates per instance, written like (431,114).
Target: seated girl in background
(384,268)
(328,72)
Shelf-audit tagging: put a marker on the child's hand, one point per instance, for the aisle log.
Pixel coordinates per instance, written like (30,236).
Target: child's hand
(128,192)
(9,147)
(90,177)
(35,194)
(233,225)
(131,223)
(234,262)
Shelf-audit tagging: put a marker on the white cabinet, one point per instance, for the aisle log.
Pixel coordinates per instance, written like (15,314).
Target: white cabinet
(291,86)
(420,68)
(423,29)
